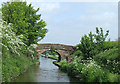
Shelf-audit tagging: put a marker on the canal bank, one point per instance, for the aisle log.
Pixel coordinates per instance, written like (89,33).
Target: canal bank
(45,72)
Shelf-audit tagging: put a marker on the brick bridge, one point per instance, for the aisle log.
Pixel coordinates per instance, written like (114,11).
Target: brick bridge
(62,50)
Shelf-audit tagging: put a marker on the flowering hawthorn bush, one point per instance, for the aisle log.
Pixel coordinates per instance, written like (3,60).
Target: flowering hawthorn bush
(93,72)
(14,52)
(11,41)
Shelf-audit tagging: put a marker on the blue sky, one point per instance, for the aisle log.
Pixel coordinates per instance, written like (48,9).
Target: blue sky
(67,22)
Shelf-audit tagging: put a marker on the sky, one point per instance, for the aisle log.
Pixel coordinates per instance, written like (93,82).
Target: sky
(68,21)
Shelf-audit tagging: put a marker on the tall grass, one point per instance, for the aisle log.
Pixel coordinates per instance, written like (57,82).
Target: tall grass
(103,67)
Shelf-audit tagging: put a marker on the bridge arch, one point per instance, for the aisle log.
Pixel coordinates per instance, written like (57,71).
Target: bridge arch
(59,56)
(63,50)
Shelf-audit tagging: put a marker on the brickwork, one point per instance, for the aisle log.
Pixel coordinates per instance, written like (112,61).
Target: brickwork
(63,50)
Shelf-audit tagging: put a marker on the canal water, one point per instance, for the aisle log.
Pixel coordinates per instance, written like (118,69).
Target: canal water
(45,72)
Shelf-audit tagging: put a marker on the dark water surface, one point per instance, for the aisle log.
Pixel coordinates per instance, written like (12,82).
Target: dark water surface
(45,72)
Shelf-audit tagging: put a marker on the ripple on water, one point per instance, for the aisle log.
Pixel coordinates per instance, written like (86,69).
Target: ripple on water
(46,72)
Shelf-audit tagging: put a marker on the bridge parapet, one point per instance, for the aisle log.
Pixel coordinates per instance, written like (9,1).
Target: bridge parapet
(58,46)
(63,50)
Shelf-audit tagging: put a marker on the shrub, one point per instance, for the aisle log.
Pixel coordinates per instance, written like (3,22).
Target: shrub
(77,53)
(14,59)
(87,46)
(93,73)
(109,60)
(113,77)
(14,65)
(109,45)
(93,43)
(100,38)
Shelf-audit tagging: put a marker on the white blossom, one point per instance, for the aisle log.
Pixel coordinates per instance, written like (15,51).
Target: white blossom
(13,42)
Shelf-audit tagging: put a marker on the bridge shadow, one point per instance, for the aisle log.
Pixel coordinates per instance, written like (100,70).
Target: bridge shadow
(53,54)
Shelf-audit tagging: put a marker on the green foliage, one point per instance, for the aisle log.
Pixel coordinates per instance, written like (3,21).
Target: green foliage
(10,41)
(87,46)
(89,71)
(99,36)
(77,53)
(93,43)
(14,65)
(74,68)
(52,48)
(109,60)
(93,72)
(110,44)
(25,21)
(14,59)
(95,60)
(51,54)
(113,77)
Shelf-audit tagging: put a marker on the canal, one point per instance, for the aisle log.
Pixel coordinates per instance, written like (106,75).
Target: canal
(45,72)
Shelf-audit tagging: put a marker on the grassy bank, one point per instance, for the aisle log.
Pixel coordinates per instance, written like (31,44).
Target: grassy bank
(19,37)
(104,67)
(14,65)
(95,60)
(16,55)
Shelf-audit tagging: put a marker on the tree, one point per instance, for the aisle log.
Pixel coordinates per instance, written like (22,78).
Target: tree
(93,43)
(52,50)
(100,38)
(25,21)
(87,46)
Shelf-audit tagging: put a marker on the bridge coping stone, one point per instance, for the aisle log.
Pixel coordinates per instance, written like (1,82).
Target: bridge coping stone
(63,50)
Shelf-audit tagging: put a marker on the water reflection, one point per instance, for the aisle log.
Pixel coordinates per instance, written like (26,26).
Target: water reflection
(46,72)
(50,73)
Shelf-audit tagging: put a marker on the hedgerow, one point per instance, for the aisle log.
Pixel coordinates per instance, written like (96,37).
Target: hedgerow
(14,53)
(95,60)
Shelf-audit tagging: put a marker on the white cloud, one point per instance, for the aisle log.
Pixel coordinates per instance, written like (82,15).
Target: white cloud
(29,1)
(73,0)
(66,0)
(69,30)
(48,7)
